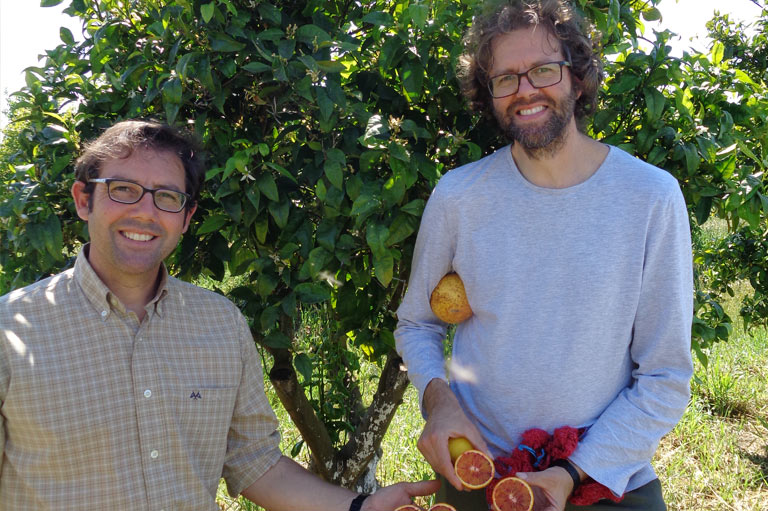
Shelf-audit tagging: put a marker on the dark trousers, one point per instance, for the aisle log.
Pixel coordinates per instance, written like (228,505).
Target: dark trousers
(645,498)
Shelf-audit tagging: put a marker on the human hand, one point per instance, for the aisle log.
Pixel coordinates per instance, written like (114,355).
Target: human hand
(391,497)
(551,488)
(445,419)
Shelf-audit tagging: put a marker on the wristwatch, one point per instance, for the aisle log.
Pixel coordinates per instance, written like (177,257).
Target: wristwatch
(357,502)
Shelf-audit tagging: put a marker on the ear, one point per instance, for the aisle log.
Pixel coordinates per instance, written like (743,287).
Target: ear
(81,199)
(187,217)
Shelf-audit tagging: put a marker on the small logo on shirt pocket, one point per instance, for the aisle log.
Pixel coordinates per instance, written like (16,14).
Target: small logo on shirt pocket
(195,395)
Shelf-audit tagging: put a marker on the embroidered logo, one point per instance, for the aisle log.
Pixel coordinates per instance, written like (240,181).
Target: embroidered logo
(195,395)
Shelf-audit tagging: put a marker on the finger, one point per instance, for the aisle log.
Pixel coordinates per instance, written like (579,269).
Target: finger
(478,442)
(422,488)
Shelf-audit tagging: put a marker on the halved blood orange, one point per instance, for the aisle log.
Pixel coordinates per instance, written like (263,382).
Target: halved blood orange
(512,494)
(474,469)
(408,507)
(441,506)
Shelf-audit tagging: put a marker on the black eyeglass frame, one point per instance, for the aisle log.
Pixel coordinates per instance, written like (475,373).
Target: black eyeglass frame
(560,63)
(144,190)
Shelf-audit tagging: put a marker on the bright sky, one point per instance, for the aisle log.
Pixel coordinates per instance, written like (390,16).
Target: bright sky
(27,30)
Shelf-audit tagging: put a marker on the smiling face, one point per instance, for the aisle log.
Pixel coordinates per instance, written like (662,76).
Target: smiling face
(538,120)
(130,241)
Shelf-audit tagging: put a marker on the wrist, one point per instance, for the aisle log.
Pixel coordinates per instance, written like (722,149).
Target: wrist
(573,472)
(436,393)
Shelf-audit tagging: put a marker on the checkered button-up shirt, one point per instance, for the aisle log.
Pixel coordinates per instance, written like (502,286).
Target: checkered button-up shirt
(101,411)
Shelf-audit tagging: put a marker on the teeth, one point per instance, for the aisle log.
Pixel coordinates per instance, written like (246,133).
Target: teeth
(531,111)
(137,237)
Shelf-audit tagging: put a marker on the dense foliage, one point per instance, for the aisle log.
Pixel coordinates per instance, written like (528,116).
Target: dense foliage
(326,125)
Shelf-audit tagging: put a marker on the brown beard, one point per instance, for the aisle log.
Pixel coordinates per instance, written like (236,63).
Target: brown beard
(540,142)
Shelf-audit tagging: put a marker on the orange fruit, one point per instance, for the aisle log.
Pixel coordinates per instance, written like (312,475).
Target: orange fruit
(512,494)
(441,506)
(474,469)
(449,300)
(408,507)
(456,446)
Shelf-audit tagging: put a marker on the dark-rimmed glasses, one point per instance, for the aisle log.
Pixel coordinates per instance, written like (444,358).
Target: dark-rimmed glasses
(128,192)
(544,75)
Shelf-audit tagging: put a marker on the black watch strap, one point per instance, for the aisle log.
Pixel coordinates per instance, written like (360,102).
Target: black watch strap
(568,466)
(357,502)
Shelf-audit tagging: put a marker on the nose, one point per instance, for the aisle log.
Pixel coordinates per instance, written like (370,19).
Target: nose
(525,86)
(146,206)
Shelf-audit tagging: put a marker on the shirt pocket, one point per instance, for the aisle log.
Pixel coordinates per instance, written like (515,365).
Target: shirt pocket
(201,417)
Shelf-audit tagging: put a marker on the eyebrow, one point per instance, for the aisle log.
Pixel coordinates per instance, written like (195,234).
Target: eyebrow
(509,71)
(160,187)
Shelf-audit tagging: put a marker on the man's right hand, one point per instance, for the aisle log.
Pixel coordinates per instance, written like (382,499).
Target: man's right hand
(445,419)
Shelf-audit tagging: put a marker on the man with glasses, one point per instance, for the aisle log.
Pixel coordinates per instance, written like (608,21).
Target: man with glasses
(576,260)
(122,387)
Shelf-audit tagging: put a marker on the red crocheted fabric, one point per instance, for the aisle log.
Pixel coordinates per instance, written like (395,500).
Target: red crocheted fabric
(540,448)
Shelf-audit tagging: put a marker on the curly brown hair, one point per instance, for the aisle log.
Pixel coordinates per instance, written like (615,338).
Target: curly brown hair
(122,139)
(560,19)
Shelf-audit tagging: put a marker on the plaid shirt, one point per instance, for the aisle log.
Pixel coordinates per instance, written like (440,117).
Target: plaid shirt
(99,411)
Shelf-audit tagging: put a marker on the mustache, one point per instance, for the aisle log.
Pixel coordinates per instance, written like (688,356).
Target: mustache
(522,103)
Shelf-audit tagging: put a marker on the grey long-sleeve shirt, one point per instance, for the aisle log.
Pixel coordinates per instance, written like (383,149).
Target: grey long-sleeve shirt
(582,301)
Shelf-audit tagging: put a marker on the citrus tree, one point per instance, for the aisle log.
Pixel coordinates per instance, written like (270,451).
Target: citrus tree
(326,125)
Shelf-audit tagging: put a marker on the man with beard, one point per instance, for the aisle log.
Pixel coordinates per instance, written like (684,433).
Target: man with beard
(576,260)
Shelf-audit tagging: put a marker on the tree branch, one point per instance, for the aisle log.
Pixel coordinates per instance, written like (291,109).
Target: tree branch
(355,456)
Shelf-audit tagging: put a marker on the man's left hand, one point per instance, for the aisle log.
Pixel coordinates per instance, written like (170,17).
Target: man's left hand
(391,497)
(551,488)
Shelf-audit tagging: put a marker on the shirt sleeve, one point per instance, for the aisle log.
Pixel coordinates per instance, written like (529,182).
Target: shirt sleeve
(626,435)
(420,334)
(253,440)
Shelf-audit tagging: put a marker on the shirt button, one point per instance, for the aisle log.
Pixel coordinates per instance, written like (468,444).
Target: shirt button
(147,393)
(104,314)
(154,454)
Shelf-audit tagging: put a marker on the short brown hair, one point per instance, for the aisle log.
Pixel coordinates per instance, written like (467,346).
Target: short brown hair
(122,139)
(560,19)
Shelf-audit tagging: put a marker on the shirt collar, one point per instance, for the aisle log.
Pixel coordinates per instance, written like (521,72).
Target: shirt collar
(101,298)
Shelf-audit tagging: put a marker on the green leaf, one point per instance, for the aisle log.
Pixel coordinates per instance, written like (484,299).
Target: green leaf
(278,340)
(66,36)
(383,268)
(257,67)
(212,223)
(331,66)
(364,205)
(206,11)
(717,52)
(312,292)
(335,162)
(311,34)
(172,92)
(382,19)
(49,3)
(419,14)
(415,207)
(267,186)
(652,14)
(280,211)
(376,236)
(303,365)
(655,101)
(225,43)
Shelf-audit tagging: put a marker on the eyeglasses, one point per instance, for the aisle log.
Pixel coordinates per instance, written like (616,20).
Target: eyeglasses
(128,192)
(539,77)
